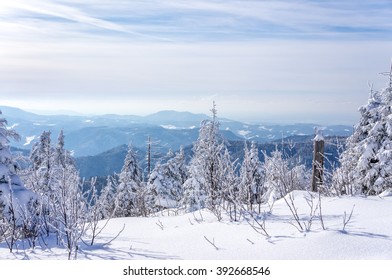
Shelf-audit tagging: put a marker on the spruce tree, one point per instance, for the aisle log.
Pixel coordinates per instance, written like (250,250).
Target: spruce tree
(366,164)
(166,181)
(15,199)
(130,196)
(251,177)
(204,187)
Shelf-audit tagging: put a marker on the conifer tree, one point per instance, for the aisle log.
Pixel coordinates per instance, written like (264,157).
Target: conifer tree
(366,164)
(204,187)
(166,181)
(251,177)
(130,196)
(14,197)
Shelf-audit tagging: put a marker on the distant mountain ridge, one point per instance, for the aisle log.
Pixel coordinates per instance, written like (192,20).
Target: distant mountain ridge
(297,147)
(92,135)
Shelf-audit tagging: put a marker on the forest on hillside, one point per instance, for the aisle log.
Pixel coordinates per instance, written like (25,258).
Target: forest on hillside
(49,199)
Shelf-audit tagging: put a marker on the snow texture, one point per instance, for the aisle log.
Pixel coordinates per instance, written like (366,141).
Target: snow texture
(368,235)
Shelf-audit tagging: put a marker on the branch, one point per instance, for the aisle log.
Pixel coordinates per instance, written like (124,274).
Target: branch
(212,243)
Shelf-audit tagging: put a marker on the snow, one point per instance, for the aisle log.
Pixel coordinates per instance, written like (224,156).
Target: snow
(244,133)
(265,128)
(29,139)
(318,137)
(165,236)
(12,126)
(89,121)
(168,126)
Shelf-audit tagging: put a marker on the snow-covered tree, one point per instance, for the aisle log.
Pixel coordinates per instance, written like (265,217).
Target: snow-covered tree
(14,197)
(68,208)
(204,187)
(130,196)
(251,177)
(41,158)
(166,181)
(62,157)
(230,189)
(107,198)
(366,164)
(282,177)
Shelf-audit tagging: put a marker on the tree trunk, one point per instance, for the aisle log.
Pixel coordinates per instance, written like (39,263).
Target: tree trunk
(318,163)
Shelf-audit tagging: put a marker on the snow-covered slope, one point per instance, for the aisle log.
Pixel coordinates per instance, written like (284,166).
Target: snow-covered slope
(368,235)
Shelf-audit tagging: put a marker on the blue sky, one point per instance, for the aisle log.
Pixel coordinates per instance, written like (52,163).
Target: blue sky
(262,61)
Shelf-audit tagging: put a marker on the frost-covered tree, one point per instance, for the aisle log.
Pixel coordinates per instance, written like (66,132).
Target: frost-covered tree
(107,198)
(41,158)
(366,164)
(204,187)
(230,189)
(68,208)
(62,157)
(14,197)
(251,179)
(166,181)
(281,177)
(131,194)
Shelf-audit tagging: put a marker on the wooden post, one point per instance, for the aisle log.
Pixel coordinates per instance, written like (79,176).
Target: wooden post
(148,156)
(318,162)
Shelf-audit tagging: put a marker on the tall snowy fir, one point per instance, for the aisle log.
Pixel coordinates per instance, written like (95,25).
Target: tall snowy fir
(366,164)
(166,181)
(131,194)
(41,158)
(251,181)
(15,199)
(204,185)
(10,183)
(62,157)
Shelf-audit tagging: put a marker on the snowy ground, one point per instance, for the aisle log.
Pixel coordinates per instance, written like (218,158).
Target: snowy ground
(368,235)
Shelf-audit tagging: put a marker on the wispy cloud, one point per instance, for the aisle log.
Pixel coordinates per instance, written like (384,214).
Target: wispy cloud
(214,19)
(248,54)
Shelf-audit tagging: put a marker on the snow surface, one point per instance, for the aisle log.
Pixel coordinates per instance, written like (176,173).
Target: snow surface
(368,235)
(29,139)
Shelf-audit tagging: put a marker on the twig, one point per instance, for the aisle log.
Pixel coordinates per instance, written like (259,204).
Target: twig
(347,220)
(212,243)
(321,212)
(293,211)
(114,238)
(159,224)
(250,241)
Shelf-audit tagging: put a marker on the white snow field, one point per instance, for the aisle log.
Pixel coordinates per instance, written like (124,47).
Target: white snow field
(194,236)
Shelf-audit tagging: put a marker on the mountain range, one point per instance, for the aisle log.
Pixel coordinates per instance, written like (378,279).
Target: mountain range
(94,135)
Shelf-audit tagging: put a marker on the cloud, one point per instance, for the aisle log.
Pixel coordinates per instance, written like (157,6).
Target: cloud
(54,11)
(253,57)
(198,20)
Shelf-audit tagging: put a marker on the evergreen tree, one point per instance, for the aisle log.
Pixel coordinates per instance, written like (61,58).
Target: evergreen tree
(130,197)
(251,177)
(107,198)
(230,189)
(41,169)
(14,197)
(166,181)
(366,164)
(62,157)
(204,187)
(10,183)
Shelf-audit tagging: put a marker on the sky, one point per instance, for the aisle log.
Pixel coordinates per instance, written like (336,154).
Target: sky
(261,61)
